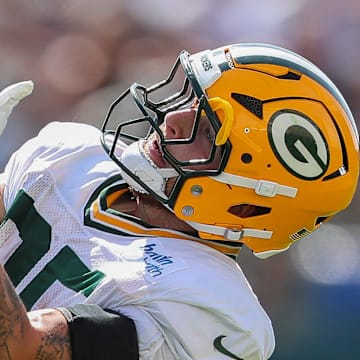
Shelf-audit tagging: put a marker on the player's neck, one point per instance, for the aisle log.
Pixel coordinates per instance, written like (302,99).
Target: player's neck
(150,211)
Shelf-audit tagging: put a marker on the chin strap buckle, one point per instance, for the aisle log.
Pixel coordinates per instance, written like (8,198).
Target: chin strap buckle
(233,234)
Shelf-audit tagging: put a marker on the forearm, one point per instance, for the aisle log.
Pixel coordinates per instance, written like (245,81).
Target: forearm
(37,335)
(13,318)
(52,334)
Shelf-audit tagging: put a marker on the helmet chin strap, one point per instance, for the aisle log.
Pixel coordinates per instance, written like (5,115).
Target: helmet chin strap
(135,159)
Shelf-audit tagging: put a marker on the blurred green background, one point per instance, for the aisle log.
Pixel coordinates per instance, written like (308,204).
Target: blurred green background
(82,53)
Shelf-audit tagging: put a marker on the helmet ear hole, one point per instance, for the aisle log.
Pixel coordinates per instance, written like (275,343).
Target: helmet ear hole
(248,210)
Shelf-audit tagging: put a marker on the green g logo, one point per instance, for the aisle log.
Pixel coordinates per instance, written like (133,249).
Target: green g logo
(299,144)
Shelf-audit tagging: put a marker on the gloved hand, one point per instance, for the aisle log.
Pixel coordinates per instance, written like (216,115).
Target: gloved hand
(10,97)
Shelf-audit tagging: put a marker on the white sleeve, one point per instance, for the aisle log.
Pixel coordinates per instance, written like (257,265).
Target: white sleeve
(55,141)
(190,342)
(216,338)
(15,170)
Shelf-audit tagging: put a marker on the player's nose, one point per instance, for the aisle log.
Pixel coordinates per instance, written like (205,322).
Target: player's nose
(179,124)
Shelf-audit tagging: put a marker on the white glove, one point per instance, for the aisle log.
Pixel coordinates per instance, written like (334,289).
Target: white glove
(10,97)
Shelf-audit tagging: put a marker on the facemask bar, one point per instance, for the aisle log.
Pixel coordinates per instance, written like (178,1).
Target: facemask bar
(140,95)
(177,164)
(153,113)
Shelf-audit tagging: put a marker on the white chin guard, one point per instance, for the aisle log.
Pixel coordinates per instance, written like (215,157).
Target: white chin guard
(136,161)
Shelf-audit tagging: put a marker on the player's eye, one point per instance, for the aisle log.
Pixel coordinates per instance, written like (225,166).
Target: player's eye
(210,135)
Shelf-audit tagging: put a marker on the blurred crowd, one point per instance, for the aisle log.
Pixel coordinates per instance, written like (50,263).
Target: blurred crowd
(81,54)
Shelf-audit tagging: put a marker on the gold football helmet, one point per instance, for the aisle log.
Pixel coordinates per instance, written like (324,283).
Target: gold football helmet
(289,145)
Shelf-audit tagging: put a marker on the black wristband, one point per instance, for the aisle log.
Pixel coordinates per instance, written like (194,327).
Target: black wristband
(98,333)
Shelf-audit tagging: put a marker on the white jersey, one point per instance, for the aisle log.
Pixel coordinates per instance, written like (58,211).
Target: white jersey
(63,244)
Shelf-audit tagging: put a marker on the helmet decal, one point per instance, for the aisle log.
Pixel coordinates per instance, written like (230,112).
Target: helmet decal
(298,144)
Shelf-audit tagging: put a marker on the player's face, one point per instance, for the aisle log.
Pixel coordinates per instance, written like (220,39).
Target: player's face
(179,125)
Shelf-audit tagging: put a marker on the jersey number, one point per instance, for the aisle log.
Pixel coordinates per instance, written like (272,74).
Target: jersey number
(65,267)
